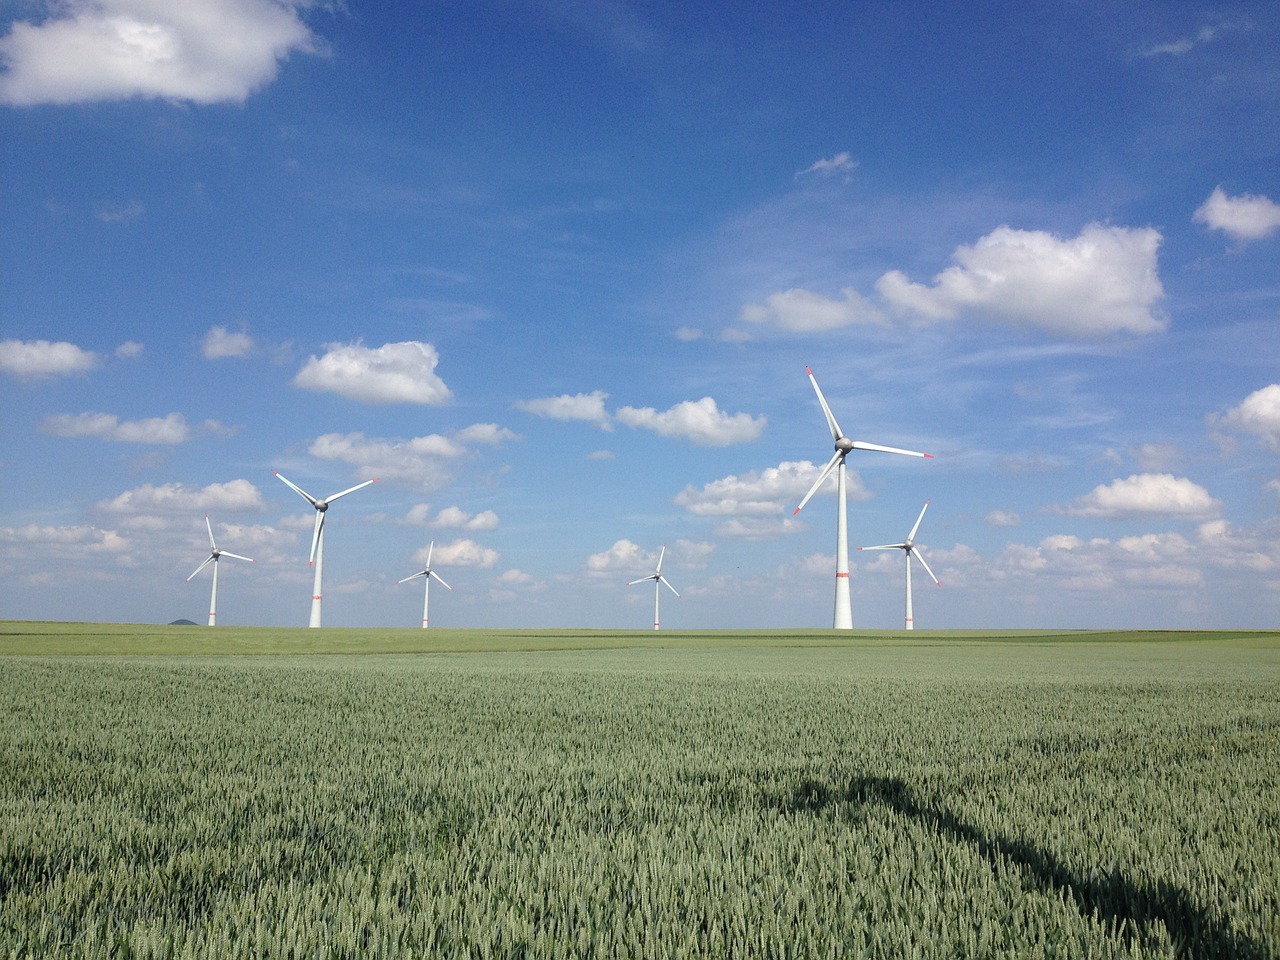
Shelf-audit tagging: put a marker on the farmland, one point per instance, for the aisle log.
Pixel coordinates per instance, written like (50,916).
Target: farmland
(171,793)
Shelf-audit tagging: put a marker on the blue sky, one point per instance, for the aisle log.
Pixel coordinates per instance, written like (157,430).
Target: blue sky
(553,272)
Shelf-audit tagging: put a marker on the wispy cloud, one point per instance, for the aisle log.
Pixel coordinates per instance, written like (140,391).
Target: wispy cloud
(93,50)
(220,343)
(423,463)
(803,311)
(842,164)
(585,407)
(170,429)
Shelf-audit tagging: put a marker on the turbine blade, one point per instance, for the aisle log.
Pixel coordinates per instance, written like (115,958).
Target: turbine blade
(207,561)
(315,537)
(296,489)
(912,534)
(886,546)
(227,553)
(669,587)
(212,546)
(864,445)
(662,553)
(641,580)
(826,471)
(836,432)
(920,557)
(430,550)
(420,573)
(350,490)
(441,579)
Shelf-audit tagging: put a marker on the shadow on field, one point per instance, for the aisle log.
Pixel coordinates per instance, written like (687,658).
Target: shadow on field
(1126,905)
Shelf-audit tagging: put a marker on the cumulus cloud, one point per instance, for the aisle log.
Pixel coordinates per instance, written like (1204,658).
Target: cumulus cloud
(451,518)
(622,556)
(86,540)
(233,495)
(841,164)
(1003,518)
(759,504)
(1146,494)
(698,421)
(420,463)
(1259,415)
(587,407)
(1100,283)
(220,343)
(171,429)
(214,51)
(392,373)
(38,359)
(460,553)
(803,311)
(1246,217)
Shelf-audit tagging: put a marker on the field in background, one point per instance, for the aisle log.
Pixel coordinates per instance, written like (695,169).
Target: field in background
(586,793)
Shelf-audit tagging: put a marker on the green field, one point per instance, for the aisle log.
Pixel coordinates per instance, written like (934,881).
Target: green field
(186,792)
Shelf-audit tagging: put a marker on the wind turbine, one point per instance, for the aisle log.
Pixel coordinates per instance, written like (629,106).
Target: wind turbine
(317,538)
(909,547)
(426,573)
(658,579)
(843,619)
(214,554)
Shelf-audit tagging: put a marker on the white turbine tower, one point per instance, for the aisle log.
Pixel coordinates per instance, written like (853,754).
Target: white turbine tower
(909,547)
(658,580)
(843,619)
(426,573)
(317,538)
(214,555)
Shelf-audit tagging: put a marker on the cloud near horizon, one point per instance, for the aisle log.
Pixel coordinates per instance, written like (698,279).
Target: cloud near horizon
(232,495)
(214,51)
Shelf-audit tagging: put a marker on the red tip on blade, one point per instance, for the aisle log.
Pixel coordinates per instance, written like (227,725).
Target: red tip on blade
(808,371)
(795,511)
(929,455)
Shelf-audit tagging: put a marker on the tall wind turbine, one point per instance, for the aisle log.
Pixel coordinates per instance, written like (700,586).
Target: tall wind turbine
(909,547)
(426,573)
(317,538)
(658,579)
(843,619)
(214,554)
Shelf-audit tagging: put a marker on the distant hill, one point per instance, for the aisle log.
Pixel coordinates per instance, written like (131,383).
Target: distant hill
(182,623)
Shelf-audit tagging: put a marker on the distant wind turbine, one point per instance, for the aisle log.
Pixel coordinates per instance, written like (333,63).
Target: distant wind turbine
(317,538)
(658,579)
(426,573)
(214,555)
(909,547)
(843,619)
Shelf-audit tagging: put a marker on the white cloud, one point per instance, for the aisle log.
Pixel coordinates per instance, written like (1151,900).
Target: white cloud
(171,429)
(622,556)
(1259,414)
(803,311)
(460,553)
(392,373)
(516,578)
(220,343)
(119,212)
(841,163)
(213,51)
(1146,494)
(688,334)
(587,407)
(1102,282)
(772,491)
(36,359)
(451,518)
(1246,217)
(699,421)
(128,349)
(67,540)
(420,463)
(1003,518)
(232,495)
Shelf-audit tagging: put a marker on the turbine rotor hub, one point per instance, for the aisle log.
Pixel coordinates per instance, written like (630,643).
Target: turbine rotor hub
(844,444)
